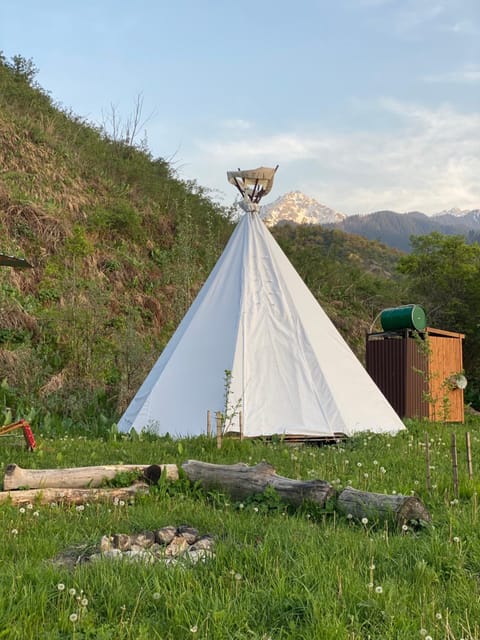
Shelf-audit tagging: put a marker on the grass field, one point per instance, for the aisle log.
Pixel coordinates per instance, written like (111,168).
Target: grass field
(277,573)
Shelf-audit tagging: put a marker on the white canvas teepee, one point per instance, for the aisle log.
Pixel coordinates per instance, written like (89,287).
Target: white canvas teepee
(289,371)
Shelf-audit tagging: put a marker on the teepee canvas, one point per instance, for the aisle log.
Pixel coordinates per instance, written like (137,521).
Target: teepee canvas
(256,342)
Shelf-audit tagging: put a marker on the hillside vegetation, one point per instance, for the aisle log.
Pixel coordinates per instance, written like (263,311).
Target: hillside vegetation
(120,247)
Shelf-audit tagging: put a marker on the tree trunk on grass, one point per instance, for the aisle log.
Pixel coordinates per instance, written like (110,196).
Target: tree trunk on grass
(77,477)
(70,496)
(240,481)
(380,507)
(237,480)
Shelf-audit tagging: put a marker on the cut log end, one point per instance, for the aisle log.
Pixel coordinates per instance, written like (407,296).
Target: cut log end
(398,509)
(412,511)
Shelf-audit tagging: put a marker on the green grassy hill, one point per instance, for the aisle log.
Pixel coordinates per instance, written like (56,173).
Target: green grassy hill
(120,246)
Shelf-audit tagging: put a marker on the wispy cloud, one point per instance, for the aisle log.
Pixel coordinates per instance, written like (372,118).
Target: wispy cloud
(429,161)
(463,28)
(237,124)
(469,75)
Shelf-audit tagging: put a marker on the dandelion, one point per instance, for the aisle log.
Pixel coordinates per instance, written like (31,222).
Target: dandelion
(14,532)
(84,602)
(238,576)
(379,589)
(456,539)
(255,509)
(365,475)
(383,470)
(121,503)
(72,591)
(73,617)
(22,510)
(349,516)
(61,586)
(423,632)
(156,596)
(194,629)
(375,462)
(416,482)
(372,567)
(29,505)
(370,585)
(428,638)
(36,514)
(80,507)
(359,464)
(364,520)
(404,527)
(438,616)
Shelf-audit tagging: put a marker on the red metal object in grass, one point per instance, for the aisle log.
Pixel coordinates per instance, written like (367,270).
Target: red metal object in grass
(27,432)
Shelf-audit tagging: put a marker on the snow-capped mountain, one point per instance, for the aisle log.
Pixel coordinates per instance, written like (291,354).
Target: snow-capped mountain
(458,213)
(300,209)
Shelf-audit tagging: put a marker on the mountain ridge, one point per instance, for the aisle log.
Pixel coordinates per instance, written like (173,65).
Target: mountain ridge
(390,227)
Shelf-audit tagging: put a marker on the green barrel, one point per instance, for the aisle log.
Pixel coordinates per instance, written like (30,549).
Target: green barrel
(409,316)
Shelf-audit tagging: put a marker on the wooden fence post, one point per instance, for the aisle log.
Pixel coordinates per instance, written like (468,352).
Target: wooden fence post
(219,429)
(209,423)
(455,465)
(427,462)
(469,455)
(240,424)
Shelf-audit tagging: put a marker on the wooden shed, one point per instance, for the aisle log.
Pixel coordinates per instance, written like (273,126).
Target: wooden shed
(419,372)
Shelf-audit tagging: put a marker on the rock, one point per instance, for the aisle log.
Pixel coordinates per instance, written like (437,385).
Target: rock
(165,535)
(114,554)
(176,547)
(121,541)
(144,539)
(205,542)
(196,555)
(139,555)
(106,543)
(189,533)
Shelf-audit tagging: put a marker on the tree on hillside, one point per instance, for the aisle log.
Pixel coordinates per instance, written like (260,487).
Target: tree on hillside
(444,276)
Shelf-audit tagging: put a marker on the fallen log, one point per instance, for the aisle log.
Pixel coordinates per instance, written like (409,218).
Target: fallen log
(240,481)
(237,480)
(379,507)
(57,495)
(77,477)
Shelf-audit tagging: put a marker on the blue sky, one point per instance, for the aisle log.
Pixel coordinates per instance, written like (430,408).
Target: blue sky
(364,104)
